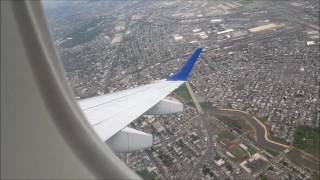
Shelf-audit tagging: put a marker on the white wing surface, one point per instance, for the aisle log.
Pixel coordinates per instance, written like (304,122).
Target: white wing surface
(111,113)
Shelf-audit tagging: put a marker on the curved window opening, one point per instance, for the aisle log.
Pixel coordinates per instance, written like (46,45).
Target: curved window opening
(251,107)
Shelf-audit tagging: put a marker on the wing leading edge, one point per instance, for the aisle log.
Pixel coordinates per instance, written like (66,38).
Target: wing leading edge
(111,113)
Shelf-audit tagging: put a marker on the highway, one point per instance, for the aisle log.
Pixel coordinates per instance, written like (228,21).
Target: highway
(194,99)
(205,119)
(209,135)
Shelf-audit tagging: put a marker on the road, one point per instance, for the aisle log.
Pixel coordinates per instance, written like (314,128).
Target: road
(195,169)
(194,99)
(205,120)
(261,131)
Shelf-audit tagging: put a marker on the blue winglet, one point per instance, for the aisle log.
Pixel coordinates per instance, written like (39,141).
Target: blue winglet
(183,73)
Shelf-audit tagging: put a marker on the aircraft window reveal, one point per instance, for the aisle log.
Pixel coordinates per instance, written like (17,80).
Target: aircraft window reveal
(249,109)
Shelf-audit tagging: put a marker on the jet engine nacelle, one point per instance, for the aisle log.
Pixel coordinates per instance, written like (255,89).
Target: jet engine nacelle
(128,140)
(166,106)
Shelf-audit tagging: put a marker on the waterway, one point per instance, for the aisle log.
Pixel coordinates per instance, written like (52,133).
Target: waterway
(262,138)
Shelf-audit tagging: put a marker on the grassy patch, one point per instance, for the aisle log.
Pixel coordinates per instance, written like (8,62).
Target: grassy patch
(226,136)
(232,122)
(272,152)
(278,140)
(238,152)
(183,94)
(298,158)
(263,177)
(315,176)
(252,150)
(263,119)
(84,34)
(245,2)
(206,105)
(294,156)
(147,175)
(308,139)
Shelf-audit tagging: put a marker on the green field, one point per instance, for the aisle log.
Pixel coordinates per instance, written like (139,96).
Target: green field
(146,175)
(308,139)
(272,152)
(232,122)
(252,150)
(206,105)
(84,34)
(183,94)
(315,176)
(238,152)
(226,136)
(263,119)
(245,2)
(263,177)
(298,158)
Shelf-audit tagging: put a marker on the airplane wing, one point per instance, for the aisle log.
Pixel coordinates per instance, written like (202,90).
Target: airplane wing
(111,113)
